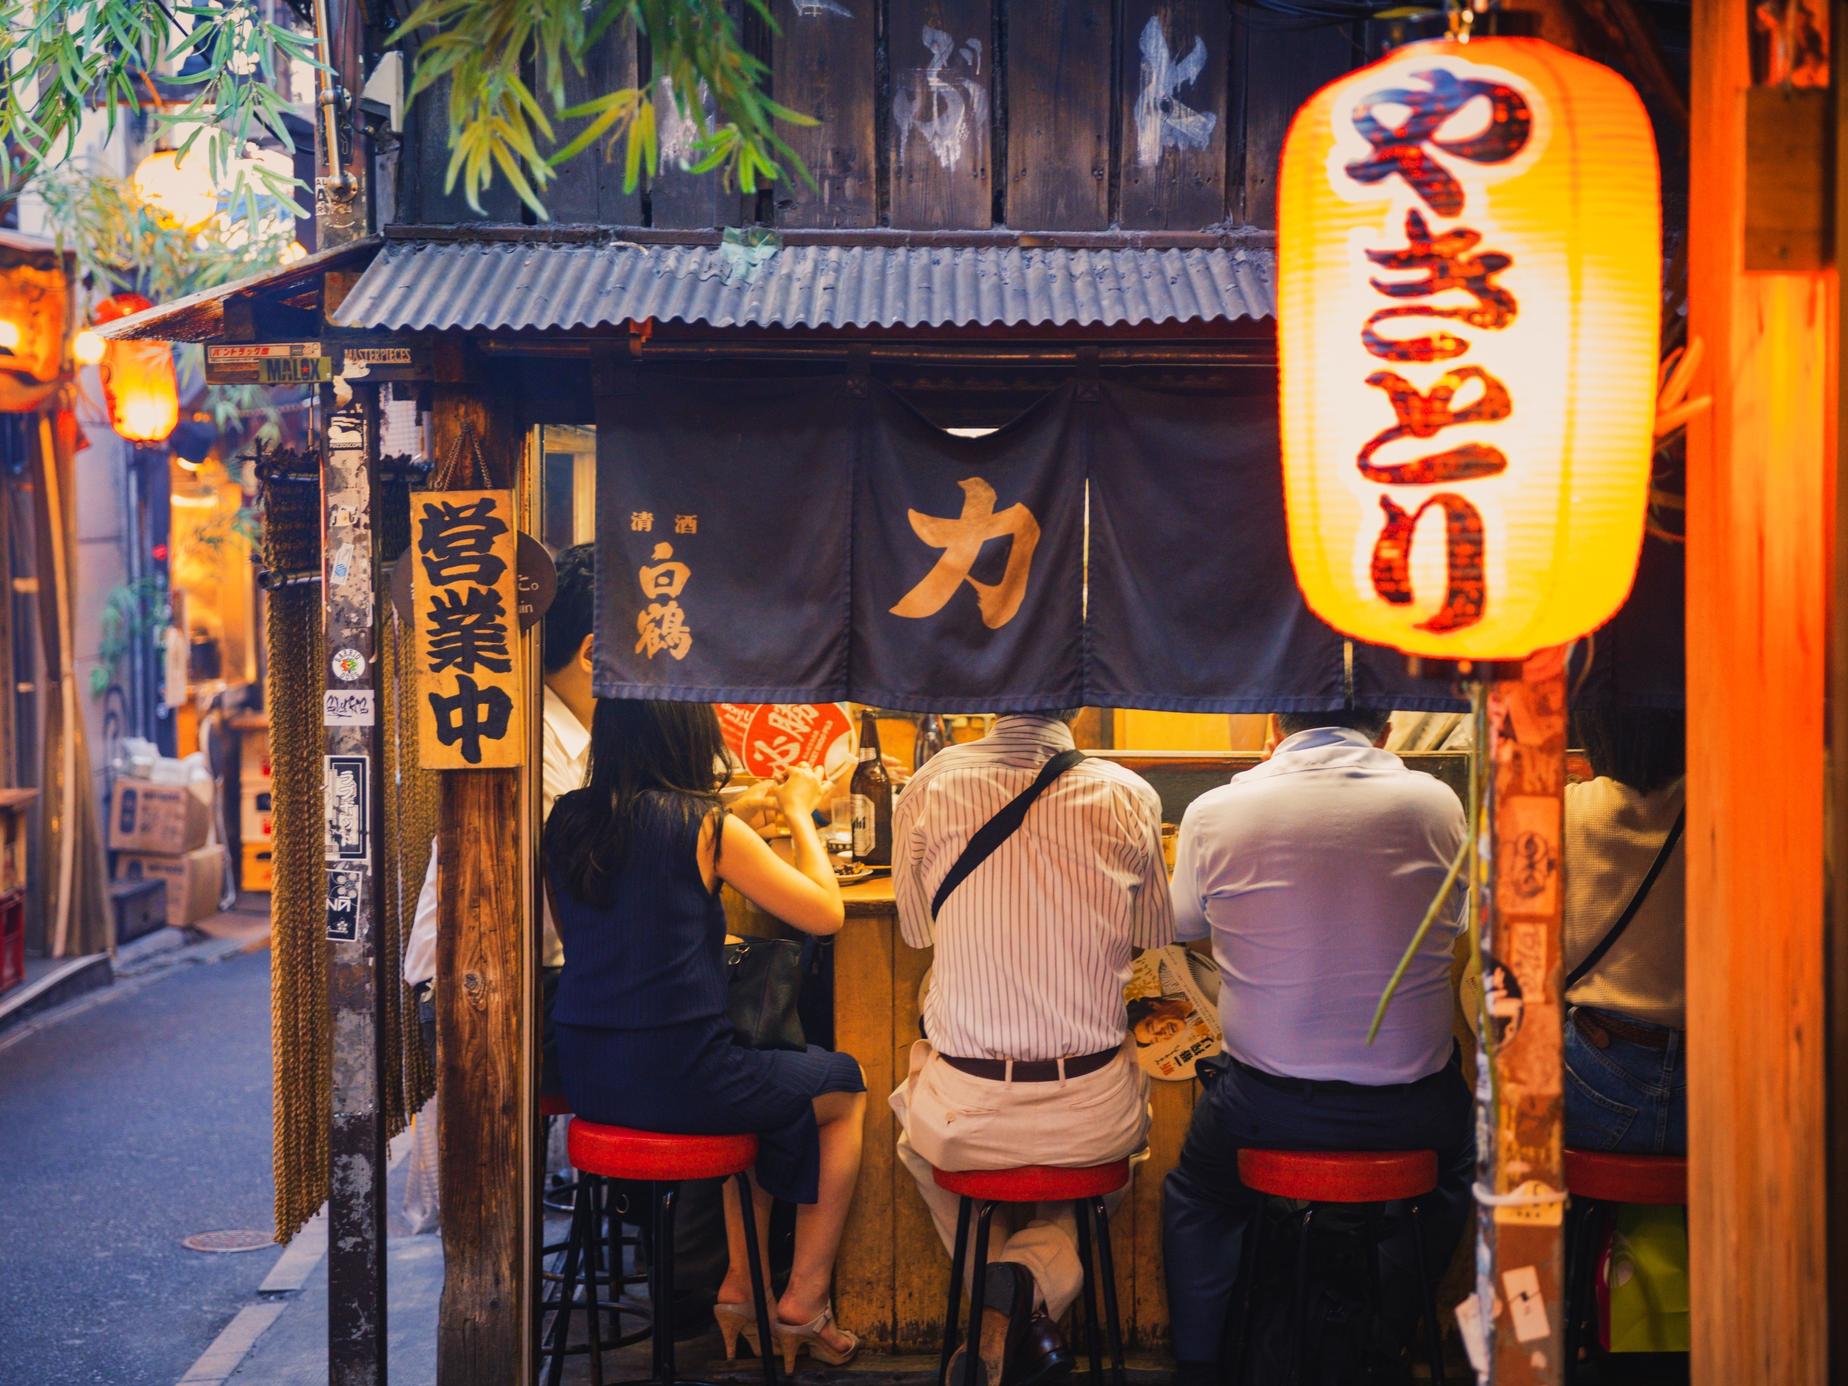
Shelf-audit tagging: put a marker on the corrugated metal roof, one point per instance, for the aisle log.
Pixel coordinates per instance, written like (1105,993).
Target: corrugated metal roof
(200,317)
(512,285)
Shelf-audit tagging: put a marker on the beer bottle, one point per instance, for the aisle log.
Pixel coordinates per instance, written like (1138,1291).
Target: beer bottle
(871,789)
(932,738)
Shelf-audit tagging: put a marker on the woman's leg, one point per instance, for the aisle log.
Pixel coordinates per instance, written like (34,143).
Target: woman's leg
(841,1117)
(736,1287)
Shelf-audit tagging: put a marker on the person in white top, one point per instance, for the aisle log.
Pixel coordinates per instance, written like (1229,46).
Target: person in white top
(564,741)
(1311,873)
(1025,1060)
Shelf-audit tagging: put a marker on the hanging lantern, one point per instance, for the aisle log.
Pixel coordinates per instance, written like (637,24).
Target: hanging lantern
(1468,277)
(32,308)
(181,189)
(139,384)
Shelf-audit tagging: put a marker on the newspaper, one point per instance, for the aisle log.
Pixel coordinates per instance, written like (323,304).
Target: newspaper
(1172,1017)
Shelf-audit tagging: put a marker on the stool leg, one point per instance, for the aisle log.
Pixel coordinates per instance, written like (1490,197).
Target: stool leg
(561,1321)
(1107,1268)
(1434,1338)
(1248,1275)
(952,1314)
(593,1256)
(1093,1337)
(973,1357)
(668,1199)
(1299,1314)
(1581,1271)
(766,1348)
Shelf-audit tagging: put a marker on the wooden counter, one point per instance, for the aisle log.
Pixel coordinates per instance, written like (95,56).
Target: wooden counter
(893,1274)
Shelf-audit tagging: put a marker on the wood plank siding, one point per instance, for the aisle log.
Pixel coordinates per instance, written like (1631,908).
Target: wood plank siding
(947,115)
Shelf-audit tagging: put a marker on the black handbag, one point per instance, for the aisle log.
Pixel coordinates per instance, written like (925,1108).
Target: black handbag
(764,982)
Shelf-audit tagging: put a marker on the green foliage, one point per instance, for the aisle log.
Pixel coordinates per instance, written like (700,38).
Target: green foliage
(498,124)
(133,612)
(62,58)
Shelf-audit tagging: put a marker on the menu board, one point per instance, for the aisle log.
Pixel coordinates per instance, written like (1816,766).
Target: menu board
(464,591)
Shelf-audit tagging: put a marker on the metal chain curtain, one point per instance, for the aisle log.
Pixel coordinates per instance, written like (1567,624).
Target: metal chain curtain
(1121,543)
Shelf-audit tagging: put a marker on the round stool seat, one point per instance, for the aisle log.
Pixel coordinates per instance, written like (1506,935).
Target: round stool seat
(554,1104)
(1035,1183)
(619,1152)
(1339,1176)
(1660,1180)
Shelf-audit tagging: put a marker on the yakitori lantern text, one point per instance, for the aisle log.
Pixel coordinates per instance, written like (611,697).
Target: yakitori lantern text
(139,384)
(1468,274)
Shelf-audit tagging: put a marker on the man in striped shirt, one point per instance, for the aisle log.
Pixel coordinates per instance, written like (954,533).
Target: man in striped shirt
(1025,1061)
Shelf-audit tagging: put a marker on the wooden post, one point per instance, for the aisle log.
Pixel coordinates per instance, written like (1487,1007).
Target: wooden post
(484,991)
(1761,492)
(1520,1253)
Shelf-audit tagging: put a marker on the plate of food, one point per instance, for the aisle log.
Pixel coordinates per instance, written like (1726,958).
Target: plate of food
(852,872)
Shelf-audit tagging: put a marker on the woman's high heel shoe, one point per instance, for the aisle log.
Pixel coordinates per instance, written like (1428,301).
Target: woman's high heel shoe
(736,1321)
(791,1339)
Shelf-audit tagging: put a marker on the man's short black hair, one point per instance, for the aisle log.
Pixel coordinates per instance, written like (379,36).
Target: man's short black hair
(1369,722)
(572,614)
(1056,714)
(1645,748)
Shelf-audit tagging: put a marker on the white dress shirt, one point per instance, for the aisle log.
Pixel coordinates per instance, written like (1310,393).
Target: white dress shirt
(1033,948)
(1311,872)
(564,748)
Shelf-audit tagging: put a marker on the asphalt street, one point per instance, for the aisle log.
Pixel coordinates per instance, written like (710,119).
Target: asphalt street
(126,1125)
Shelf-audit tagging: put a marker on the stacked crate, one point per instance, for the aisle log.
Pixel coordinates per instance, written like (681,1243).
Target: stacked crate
(14,804)
(256,823)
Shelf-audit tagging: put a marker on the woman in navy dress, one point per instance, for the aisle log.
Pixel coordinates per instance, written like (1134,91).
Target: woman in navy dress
(635,860)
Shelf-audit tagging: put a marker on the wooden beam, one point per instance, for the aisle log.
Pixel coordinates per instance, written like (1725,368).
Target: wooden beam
(484,986)
(1760,471)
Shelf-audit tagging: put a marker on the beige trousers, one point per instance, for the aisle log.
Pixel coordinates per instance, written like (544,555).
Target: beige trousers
(953,1120)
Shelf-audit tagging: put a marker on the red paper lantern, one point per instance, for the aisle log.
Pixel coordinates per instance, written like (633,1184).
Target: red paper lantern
(139,384)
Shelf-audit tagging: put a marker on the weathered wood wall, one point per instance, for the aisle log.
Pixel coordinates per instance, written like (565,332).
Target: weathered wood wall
(1035,115)
(1760,502)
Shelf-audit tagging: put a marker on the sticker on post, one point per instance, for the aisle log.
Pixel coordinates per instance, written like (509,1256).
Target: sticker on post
(348,707)
(1526,1305)
(346,786)
(1474,1333)
(349,665)
(343,887)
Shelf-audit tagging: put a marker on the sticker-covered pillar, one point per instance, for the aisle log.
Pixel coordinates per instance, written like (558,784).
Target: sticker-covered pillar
(350,582)
(1520,1256)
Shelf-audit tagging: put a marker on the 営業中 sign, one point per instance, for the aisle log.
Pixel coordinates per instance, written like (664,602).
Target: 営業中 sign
(464,583)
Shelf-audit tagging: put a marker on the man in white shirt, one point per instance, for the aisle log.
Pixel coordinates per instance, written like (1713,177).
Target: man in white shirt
(1025,1061)
(1311,873)
(564,741)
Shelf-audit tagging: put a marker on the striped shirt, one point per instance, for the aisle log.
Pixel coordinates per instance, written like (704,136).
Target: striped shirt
(1033,949)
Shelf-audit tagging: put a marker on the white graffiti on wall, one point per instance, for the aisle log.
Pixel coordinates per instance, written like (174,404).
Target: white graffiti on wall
(677,130)
(815,9)
(945,102)
(1163,121)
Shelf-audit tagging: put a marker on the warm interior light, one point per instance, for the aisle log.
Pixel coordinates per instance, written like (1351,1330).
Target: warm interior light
(1467,306)
(295,251)
(9,335)
(87,347)
(181,189)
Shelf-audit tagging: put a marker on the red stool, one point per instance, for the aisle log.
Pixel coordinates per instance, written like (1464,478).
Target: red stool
(1598,1183)
(1085,1188)
(664,1162)
(584,1244)
(1320,1177)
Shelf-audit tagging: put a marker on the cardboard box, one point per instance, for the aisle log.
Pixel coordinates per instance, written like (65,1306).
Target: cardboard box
(192,880)
(259,866)
(170,819)
(12,940)
(257,824)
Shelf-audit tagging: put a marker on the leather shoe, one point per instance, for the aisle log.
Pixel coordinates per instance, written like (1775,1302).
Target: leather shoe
(1041,1356)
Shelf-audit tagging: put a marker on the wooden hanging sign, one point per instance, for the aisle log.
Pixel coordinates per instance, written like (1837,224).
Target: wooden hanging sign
(465,599)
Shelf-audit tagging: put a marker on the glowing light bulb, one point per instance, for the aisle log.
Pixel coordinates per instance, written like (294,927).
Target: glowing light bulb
(88,346)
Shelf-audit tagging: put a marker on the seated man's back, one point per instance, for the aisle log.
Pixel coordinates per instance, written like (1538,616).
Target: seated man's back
(1311,873)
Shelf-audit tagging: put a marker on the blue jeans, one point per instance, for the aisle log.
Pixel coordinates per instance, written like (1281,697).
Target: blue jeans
(1626,1097)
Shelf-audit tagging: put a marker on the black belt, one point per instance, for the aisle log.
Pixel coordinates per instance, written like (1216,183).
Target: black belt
(1311,1086)
(1033,1070)
(1599,1027)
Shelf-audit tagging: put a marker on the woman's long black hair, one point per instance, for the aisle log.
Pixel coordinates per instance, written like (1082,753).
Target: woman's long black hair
(637,748)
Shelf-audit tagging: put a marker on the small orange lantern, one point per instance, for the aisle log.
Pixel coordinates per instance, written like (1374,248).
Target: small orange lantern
(1469,258)
(139,384)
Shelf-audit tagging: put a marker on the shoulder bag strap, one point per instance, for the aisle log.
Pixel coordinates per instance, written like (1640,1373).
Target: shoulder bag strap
(1001,827)
(1596,955)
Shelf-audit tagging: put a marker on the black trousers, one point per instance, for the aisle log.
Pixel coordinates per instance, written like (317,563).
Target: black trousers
(1206,1211)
